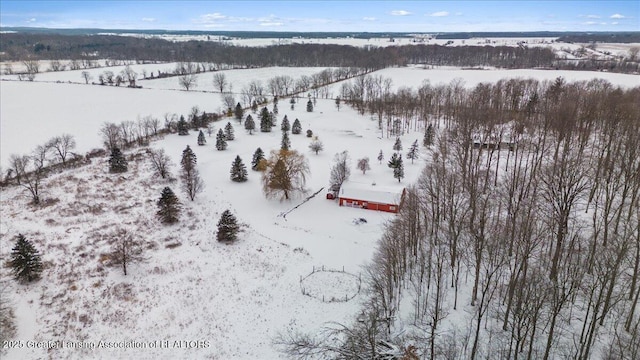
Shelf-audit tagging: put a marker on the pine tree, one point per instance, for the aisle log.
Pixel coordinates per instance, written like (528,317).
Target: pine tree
(398,171)
(229,132)
(239,112)
(413,151)
(238,170)
(258,156)
(296,128)
(228,227)
(191,182)
(117,162)
(394,161)
(309,106)
(380,157)
(168,206)
(293,103)
(249,124)
(309,133)
(183,128)
(189,159)
(285,144)
(201,139)
(272,119)
(265,120)
(398,145)
(428,136)
(275,108)
(25,262)
(338,102)
(254,107)
(221,141)
(285,124)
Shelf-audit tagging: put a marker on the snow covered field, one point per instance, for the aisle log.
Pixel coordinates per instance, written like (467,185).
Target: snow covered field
(235,298)
(82,109)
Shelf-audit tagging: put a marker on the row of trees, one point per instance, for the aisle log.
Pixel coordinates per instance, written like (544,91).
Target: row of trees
(17,46)
(29,171)
(544,237)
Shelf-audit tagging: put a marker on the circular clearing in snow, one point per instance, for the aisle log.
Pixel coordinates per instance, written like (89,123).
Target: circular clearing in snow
(331,286)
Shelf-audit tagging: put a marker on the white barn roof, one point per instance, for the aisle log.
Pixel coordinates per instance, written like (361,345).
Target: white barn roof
(371,193)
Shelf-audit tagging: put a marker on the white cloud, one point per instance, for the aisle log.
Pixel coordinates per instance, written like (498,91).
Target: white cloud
(439,13)
(32,20)
(615,23)
(271,24)
(369,19)
(207,18)
(618,16)
(593,17)
(146,19)
(400,13)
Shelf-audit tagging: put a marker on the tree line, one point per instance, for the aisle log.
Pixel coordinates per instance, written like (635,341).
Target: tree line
(22,46)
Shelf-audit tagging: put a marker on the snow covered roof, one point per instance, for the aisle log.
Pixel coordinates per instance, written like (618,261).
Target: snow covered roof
(371,193)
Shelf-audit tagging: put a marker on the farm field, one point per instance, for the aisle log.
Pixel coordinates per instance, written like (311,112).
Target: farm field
(232,300)
(82,109)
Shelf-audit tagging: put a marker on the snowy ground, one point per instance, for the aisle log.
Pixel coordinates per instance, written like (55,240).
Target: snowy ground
(81,109)
(235,298)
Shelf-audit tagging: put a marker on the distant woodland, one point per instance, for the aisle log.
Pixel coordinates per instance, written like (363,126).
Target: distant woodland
(22,46)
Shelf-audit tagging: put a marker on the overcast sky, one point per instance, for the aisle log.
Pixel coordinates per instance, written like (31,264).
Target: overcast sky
(372,16)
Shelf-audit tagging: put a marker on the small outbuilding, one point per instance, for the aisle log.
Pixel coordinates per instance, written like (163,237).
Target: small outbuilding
(371,196)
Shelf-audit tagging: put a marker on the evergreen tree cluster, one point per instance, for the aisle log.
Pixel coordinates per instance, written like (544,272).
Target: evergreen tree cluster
(397,165)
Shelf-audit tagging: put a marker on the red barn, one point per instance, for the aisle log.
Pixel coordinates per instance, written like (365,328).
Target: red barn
(371,196)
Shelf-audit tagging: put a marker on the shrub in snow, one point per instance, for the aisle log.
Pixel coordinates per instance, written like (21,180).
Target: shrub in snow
(296,128)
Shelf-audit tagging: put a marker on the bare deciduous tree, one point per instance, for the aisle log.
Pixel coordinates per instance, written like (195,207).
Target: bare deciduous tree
(160,163)
(86,76)
(62,146)
(220,81)
(126,249)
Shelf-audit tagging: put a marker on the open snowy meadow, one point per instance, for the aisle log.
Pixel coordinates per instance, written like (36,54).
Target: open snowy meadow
(193,297)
